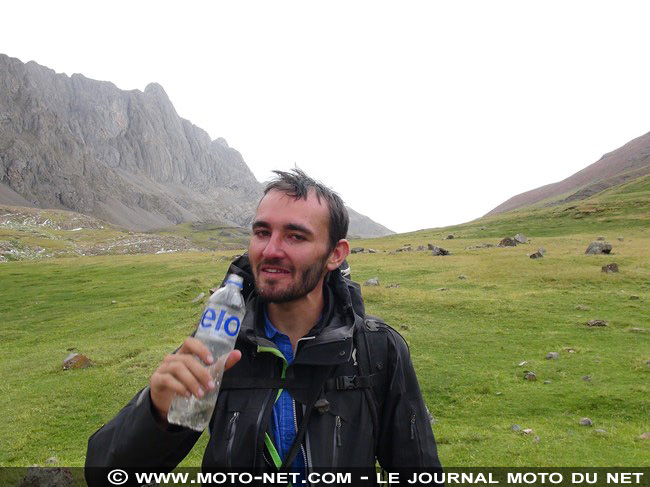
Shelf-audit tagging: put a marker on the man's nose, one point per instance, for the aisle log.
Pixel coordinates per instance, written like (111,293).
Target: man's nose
(273,248)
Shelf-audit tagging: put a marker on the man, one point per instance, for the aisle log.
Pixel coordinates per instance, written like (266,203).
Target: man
(312,383)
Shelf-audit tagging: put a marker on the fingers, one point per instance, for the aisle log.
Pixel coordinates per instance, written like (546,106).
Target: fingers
(194,346)
(185,374)
(187,370)
(181,373)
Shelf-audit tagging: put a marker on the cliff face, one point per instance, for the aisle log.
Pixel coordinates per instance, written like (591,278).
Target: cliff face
(126,157)
(123,156)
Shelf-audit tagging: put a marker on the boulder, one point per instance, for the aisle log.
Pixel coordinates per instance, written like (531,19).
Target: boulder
(541,250)
(373,281)
(620,239)
(610,268)
(47,476)
(552,355)
(596,323)
(421,247)
(356,250)
(586,422)
(507,242)
(439,251)
(77,361)
(449,237)
(596,248)
(601,238)
(372,251)
(536,255)
(530,376)
(520,238)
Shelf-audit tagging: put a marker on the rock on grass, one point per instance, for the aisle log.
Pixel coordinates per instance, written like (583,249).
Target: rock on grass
(596,323)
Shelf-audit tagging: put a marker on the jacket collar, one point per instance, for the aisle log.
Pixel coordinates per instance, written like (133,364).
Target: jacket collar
(330,341)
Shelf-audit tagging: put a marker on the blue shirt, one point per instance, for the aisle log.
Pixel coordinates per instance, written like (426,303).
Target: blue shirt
(284,424)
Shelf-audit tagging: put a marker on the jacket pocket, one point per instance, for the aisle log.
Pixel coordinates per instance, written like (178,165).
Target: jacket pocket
(232,429)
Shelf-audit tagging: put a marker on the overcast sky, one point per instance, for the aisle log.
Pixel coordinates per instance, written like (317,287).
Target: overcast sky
(419,113)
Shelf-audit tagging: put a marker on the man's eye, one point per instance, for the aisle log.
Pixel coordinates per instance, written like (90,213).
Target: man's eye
(297,238)
(261,233)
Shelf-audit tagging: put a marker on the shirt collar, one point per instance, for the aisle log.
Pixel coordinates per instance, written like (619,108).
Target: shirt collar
(269,329)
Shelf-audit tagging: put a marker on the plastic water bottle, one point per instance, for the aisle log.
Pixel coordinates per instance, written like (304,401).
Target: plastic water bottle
(218,330)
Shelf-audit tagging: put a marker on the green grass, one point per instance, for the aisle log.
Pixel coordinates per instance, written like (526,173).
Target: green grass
(466,343)
(466,340)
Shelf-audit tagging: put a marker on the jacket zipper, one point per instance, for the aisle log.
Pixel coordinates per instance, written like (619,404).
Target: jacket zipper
(295,425)
(337,441)
(415,436)
(232,427)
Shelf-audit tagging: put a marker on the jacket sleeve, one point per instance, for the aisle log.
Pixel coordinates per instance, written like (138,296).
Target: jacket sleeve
(406,438)
(134,438)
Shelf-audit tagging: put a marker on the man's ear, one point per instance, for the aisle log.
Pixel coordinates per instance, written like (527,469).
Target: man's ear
(338,254)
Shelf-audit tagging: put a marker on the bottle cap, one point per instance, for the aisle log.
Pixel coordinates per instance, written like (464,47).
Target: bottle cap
(236,280)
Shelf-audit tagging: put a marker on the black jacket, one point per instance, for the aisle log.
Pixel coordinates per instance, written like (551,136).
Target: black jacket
(348,431)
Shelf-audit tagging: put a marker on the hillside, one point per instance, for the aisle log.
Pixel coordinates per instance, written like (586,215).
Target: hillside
(31,233)
(625,164)
(125,157)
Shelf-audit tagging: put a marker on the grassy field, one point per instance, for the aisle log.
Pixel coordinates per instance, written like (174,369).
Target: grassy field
(467,336)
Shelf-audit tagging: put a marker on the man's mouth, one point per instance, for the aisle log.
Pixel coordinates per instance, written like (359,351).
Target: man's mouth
(276,271)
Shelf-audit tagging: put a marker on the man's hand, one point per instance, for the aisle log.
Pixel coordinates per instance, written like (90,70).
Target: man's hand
(183,373)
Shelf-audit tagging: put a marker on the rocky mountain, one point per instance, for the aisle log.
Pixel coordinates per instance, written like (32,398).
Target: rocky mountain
(125,157)
(362,226)
(620,166)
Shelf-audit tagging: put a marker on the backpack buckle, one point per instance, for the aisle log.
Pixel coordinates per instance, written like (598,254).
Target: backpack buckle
(344,382)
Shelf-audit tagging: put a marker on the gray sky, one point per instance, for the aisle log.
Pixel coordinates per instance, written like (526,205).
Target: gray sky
(419,113)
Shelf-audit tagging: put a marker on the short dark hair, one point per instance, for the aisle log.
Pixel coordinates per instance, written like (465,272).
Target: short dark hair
(297,185)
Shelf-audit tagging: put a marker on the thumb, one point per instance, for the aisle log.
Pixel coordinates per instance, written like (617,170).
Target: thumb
(233,358)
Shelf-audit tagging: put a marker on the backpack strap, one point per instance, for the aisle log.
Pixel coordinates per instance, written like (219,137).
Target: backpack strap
(264,383)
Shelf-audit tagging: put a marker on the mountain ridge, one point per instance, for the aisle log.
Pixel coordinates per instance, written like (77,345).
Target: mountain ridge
(628,162)
(126,157)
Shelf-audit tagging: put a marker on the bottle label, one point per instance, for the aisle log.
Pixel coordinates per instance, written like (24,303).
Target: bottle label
(214,323)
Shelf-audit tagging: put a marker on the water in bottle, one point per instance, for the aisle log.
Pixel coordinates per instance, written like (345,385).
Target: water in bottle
(218,330)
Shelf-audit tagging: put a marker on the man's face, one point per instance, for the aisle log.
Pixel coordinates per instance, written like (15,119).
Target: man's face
(288,250)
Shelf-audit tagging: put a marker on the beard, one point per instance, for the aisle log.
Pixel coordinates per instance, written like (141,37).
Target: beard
(307,282)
